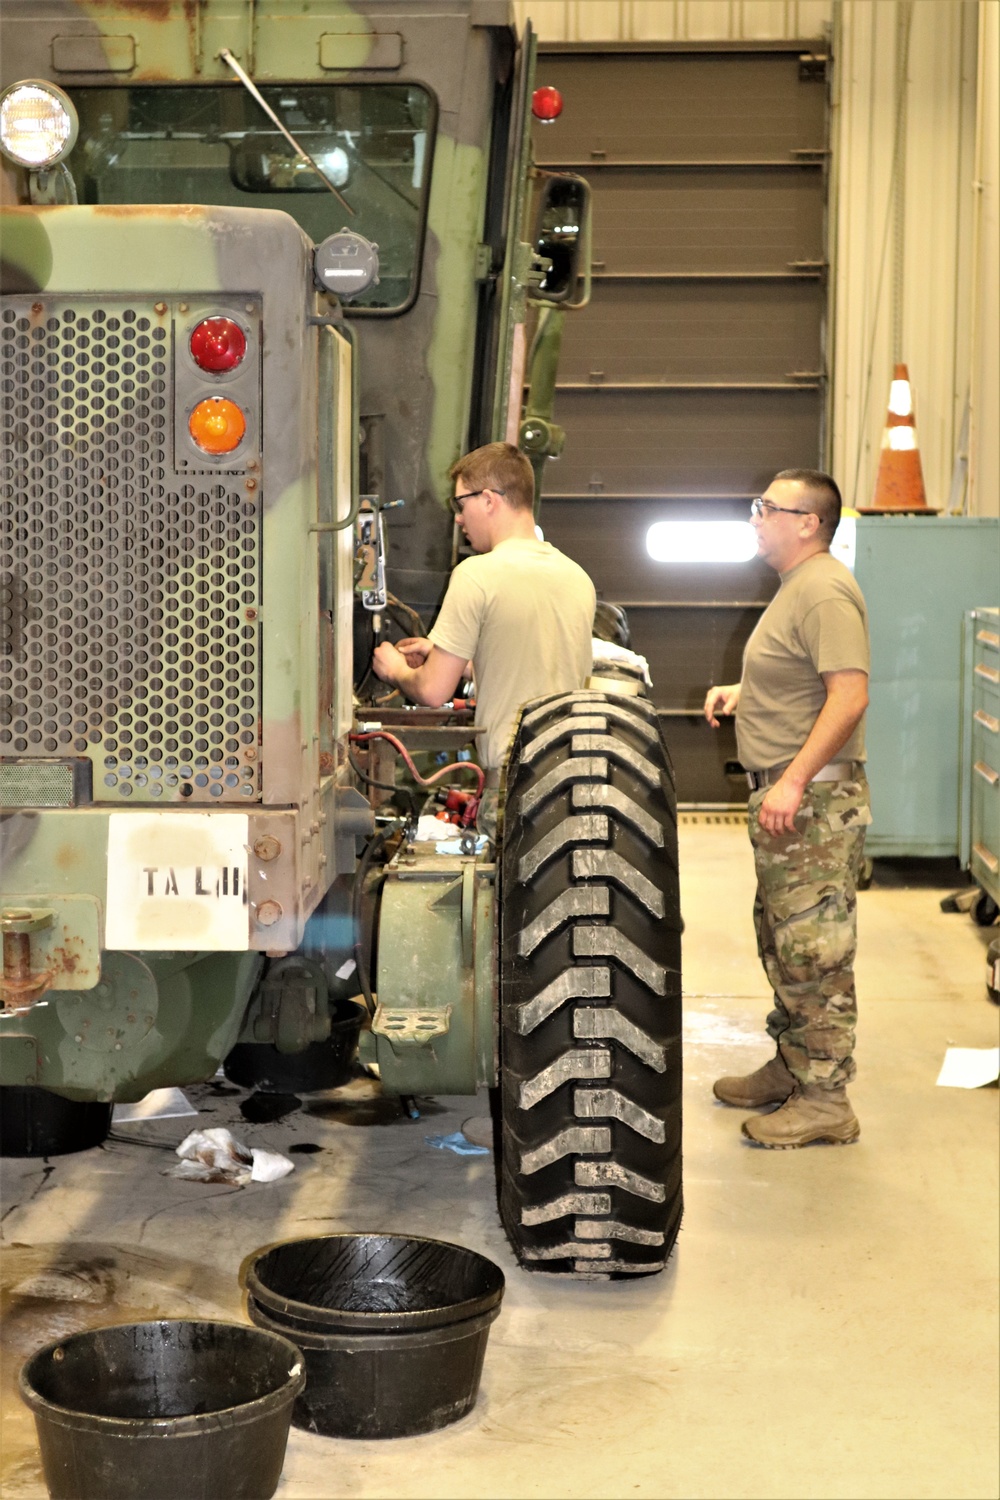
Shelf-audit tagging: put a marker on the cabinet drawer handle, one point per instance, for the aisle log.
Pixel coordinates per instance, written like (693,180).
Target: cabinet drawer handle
(990,673)
(989,638)
(986,772)
(987,721)
(989,860)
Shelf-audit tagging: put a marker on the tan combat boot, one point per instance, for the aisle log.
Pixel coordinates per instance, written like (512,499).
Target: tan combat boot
(770,1084)
(810,1114)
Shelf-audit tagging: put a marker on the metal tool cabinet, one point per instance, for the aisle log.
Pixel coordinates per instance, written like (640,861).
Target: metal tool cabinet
(980,789)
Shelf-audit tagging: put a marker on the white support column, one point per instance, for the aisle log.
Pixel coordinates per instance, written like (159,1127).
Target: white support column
(984,428)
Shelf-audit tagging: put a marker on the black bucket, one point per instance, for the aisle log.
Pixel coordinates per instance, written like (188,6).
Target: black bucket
(393,1328)
(160,1411)
(35,1122)
(321,1065)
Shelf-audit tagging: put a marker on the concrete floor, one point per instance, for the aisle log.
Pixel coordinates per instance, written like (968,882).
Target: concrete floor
(827,1325)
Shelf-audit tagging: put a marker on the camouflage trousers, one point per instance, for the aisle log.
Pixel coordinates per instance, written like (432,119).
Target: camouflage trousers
(805,913)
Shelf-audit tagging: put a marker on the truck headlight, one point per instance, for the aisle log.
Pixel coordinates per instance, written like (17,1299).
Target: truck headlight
(38,124)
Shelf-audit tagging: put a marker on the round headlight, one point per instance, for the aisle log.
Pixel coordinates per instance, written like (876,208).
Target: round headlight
(38,124)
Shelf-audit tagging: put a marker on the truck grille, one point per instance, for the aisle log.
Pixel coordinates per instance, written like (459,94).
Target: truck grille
(128,593)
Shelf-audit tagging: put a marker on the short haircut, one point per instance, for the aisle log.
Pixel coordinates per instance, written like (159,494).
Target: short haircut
(824,494)
(498,466)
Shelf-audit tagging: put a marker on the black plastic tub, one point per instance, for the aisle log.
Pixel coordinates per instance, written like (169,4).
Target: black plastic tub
(322,1065)
(393,1328)
(35,1122)
(164,1411)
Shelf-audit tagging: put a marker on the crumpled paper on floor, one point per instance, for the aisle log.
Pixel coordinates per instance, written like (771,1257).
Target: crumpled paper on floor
(969,1067)
(161,1104)
(217,1156)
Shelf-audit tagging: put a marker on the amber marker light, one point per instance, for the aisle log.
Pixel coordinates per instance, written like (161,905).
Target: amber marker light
(218,345)
(217,425)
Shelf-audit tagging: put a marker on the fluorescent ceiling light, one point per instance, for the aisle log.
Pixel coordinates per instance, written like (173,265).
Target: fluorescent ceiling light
(701,541)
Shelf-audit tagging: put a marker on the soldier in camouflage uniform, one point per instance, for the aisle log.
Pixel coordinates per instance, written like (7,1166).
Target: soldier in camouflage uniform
(800,731)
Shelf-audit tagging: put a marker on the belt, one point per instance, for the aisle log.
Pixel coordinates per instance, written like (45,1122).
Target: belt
(836,770)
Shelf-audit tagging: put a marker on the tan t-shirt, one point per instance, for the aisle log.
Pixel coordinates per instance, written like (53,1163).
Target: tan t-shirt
(524,614)
(817,622)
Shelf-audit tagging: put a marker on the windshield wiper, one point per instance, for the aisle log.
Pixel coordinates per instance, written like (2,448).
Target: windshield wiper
(255,93)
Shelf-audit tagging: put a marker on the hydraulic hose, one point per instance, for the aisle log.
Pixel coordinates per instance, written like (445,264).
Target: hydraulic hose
(400,748)
(383,786)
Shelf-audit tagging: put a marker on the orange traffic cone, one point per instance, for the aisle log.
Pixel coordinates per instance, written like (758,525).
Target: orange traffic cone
(900,482)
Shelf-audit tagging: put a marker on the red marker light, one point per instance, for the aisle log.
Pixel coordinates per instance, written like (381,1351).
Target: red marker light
(218,344)
(546,104)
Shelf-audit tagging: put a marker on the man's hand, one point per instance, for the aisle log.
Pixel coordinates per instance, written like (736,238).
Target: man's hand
(416,649)
(781,802)
(388,661)
(431,682)
(721,700)
(846,701)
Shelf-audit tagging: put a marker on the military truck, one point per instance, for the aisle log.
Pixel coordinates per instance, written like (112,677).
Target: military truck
(267,271)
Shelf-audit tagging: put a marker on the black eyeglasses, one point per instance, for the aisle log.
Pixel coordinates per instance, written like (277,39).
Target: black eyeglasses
(458,501)
(761,507)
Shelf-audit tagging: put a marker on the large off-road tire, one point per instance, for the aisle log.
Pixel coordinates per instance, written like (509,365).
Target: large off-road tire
(590,1057)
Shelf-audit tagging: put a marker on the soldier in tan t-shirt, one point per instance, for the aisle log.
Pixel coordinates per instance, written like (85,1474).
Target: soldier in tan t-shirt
(522,612)
(800,733)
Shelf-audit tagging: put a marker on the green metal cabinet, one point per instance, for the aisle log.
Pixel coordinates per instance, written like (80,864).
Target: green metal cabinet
(920,575)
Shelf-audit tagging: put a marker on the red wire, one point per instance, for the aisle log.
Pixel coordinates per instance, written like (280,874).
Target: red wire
(457,765)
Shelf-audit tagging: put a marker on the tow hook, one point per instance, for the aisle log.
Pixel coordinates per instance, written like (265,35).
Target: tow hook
(19,986)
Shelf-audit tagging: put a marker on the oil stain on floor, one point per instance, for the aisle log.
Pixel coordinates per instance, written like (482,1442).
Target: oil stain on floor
(48,1292)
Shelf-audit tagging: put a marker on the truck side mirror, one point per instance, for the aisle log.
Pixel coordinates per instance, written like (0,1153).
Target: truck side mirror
(562,235)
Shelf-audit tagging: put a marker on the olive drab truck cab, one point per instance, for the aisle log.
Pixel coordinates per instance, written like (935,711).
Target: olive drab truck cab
(265,275)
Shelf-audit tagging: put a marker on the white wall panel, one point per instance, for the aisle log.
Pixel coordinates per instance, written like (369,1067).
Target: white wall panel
(594,20)
(549,18)
(811,17)
(674,20)
(763,19)
(650,20)
(705,20)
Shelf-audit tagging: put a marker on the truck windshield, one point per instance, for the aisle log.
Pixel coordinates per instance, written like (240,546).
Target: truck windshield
(216,146)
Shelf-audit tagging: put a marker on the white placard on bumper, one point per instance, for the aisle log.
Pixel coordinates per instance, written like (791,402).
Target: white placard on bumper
(178,881)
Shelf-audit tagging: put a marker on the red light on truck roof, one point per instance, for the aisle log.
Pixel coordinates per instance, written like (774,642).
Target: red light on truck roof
(546,104)
(218,344)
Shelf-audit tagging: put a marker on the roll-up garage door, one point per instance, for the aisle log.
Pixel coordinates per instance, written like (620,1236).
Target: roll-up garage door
(698,370)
